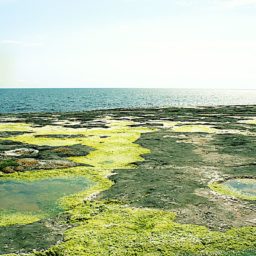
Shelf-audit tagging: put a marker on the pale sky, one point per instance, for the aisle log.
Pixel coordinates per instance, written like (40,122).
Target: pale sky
(128,43)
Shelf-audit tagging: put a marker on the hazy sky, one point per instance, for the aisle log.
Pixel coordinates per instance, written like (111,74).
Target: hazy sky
(128,43)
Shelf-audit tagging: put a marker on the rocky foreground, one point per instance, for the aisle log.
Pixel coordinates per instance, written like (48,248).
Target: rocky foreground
(169,181)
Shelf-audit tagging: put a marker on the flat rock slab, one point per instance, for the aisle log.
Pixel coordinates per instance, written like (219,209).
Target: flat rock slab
(24,152)
(25,238)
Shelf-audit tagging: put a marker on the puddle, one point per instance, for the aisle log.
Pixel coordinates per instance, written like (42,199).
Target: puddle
(38,197)
(246,187)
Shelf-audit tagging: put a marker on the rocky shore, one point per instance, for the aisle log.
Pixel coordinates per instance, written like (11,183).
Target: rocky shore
(157,182)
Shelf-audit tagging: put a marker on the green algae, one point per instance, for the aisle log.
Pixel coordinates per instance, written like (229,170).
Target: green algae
(112,229)
(9,218)
(7,163)
(249,121)
(119,138)
(194,128)
(107,142)
(109,228)
(236,144)
(247,169)
(20,127)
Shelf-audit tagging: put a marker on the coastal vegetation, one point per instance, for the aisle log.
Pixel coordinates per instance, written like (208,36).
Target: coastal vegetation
(155,182)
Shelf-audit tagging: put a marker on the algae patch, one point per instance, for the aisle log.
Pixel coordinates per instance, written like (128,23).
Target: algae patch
(249,121)
(112,229)
(107,226)
(114,147)
(194,128)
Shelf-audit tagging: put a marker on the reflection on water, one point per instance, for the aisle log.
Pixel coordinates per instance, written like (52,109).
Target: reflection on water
(38,196)
(243,186)
(75,99)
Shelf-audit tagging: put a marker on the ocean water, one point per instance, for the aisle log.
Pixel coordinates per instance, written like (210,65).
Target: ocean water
(62,100)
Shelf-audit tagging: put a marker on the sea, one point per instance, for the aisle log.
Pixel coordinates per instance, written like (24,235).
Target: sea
(82,99)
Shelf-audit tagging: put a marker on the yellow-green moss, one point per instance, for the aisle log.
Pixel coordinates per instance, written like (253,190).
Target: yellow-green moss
(194,128)
(114,148)
(13,254)
(249,121)
(7,218)
(109,228)
(20,127)
(169,124)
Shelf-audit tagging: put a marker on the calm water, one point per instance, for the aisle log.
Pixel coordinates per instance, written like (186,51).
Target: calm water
(38,196)
(244,186)
(61,100)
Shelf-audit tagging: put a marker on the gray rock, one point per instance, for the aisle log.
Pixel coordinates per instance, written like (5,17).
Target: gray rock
(24,152)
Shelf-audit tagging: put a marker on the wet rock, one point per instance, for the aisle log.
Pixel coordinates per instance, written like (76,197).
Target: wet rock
(10,133)
(36,236)
(31,163)
(64,151)
(19,168)
(28,162)
(60,136)
(8,169)
(24,152)
(51,164)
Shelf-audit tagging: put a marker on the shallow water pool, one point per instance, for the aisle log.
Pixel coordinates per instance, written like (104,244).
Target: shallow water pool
(40,196)
(243,186)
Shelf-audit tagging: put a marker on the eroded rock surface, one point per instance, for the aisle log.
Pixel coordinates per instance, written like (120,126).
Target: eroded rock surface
(153,171)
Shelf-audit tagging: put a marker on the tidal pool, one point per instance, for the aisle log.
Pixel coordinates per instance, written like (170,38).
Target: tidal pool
(40,196)
(243,186)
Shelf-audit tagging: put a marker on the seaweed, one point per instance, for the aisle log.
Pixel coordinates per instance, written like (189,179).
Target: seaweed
(156,171)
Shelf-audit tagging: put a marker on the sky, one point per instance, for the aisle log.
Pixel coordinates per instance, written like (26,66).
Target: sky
(128,43)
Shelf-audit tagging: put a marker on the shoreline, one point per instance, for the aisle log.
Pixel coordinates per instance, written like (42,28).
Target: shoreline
(132,109)
(163,160)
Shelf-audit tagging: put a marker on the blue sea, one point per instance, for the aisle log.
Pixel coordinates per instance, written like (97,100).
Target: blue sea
(63,100)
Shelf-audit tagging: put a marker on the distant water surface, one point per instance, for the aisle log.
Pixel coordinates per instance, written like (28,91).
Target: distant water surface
(62,100)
